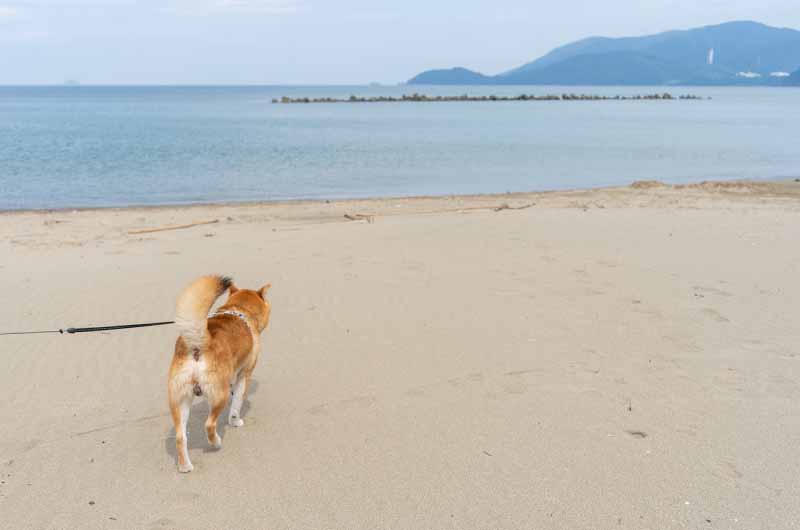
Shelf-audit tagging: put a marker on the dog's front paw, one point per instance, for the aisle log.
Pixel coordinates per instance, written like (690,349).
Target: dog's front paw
(216,442)
(185,468)
(236,422)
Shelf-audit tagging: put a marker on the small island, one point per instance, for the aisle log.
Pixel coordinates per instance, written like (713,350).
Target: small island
(422,98)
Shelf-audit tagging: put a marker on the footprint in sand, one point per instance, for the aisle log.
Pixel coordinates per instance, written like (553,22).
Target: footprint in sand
(524,372)
(327,408)
(318,410)
(163,522)
(711,290)
(637,434)
(455,382)
(515,387)
(414,266)
(716,315)
(607,263)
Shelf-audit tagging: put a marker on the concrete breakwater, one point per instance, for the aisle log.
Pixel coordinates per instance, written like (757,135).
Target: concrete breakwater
(523,97)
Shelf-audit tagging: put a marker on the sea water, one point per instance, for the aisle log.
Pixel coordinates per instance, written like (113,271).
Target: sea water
(116,146)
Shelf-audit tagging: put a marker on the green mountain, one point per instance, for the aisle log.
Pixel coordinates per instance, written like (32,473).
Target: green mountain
(453,76)
(735,53)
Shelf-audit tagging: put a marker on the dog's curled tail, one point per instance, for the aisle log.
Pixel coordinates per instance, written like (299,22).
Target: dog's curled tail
(193,305)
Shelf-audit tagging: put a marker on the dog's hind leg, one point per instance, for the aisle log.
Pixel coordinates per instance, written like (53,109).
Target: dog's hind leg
(179,407)
(216,406)
(239,388)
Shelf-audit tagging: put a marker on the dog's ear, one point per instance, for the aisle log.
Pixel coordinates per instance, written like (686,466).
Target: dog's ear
(263,291)
(232,288)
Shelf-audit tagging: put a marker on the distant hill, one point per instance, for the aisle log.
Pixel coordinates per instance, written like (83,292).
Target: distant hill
(735,53)
(453,76)
(794,79)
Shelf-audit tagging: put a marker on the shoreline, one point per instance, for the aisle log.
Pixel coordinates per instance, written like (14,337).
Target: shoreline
(48,229)
(777,181)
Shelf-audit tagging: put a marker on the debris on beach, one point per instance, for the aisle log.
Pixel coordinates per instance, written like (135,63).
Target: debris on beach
(721,186)
(637,434)
(505,206)
(172,227)
(647,184)
(369,218)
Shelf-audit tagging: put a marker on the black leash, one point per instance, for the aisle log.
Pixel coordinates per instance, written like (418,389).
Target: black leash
(72,331)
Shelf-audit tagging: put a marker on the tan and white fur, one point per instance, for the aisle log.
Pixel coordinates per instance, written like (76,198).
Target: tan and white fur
(214,356)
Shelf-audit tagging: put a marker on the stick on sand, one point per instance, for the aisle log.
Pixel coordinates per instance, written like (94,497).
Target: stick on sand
(173,227)
(360,217)
(505,206)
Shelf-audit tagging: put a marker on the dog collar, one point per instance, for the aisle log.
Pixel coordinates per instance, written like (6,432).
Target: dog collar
(237,314)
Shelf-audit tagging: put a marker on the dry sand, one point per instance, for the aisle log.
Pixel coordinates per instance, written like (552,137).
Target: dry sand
(623,358)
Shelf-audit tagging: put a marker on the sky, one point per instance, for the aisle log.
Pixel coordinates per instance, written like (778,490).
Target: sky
(322,41)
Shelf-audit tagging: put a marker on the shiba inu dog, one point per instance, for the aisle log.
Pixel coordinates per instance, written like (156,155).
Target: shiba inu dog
(214,355)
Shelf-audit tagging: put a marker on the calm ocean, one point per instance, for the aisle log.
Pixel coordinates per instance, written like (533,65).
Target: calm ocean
(102,146)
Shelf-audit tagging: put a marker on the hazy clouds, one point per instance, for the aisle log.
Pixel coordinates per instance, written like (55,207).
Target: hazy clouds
(321,41)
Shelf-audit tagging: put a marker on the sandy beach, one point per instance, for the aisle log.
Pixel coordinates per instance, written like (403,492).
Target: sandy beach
(615,358)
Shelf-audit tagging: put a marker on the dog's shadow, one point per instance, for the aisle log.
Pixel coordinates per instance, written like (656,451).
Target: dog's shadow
(196,430)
